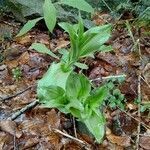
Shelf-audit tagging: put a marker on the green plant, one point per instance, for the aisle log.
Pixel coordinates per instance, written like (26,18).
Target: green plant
(17,73)
(71,93)
(144,107)
(115,98)
(78,99)
(49,13)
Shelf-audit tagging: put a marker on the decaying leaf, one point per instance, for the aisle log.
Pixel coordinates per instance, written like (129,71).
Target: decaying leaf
(119,140)
(10,127)
(145,142)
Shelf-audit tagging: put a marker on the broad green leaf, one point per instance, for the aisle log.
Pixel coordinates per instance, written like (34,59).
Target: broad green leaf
(81,27)
(79,4)
(72,30)
(77,86)
(65,55)
(75,103)
(81,65)
(49,14)
(98,29)
(39,47)
(94,44)
(96,126)
(93,32)
(75,112)
(65,26)
(52,96)
(54,76)
(105,48)
(28,26)
(96,98)
(87,112)
(75,107)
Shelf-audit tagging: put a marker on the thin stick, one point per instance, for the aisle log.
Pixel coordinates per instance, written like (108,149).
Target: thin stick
(86,145)
(145,81)
(16,94)
(74,127)
(107,5)
(139,113)
(14,141)
(142,123)
(109,77)
(139,98)
(21,111)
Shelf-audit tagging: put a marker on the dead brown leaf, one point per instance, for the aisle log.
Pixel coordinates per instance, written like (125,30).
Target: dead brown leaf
(24,40)
(30,143)
(145,142)
(10,127)
(5,140)
(3,72)
(119,140)
(12,64)
(53,119)
(62,44)
(24,58)
(146,73)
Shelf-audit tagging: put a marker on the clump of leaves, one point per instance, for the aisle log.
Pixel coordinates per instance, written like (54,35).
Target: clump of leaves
(145,107)
(78,99)
(17,73)
(115,97)
(71,93)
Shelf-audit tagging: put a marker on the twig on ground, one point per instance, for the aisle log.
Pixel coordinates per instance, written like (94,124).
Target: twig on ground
(142,123)
(86,145)
(109,77)
(14,141)
(139,113)
(139,97)
(21,111)
(16,94)
(10,24)
(74,127)
(145,81)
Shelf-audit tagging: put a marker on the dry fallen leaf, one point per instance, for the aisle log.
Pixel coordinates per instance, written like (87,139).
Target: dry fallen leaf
(5,140)
(24,58)
(62,44)
(3,72)
(145,142)
(131,106)
(12,64)
(30,143)
(24,40)
(53,119)
(146,73)
(10,127)
(119,140)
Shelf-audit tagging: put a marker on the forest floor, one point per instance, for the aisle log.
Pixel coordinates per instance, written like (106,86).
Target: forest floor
(24,124)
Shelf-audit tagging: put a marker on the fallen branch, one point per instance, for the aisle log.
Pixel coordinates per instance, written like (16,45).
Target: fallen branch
(21,111)
(16,94)
(86,145)
(139,97)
